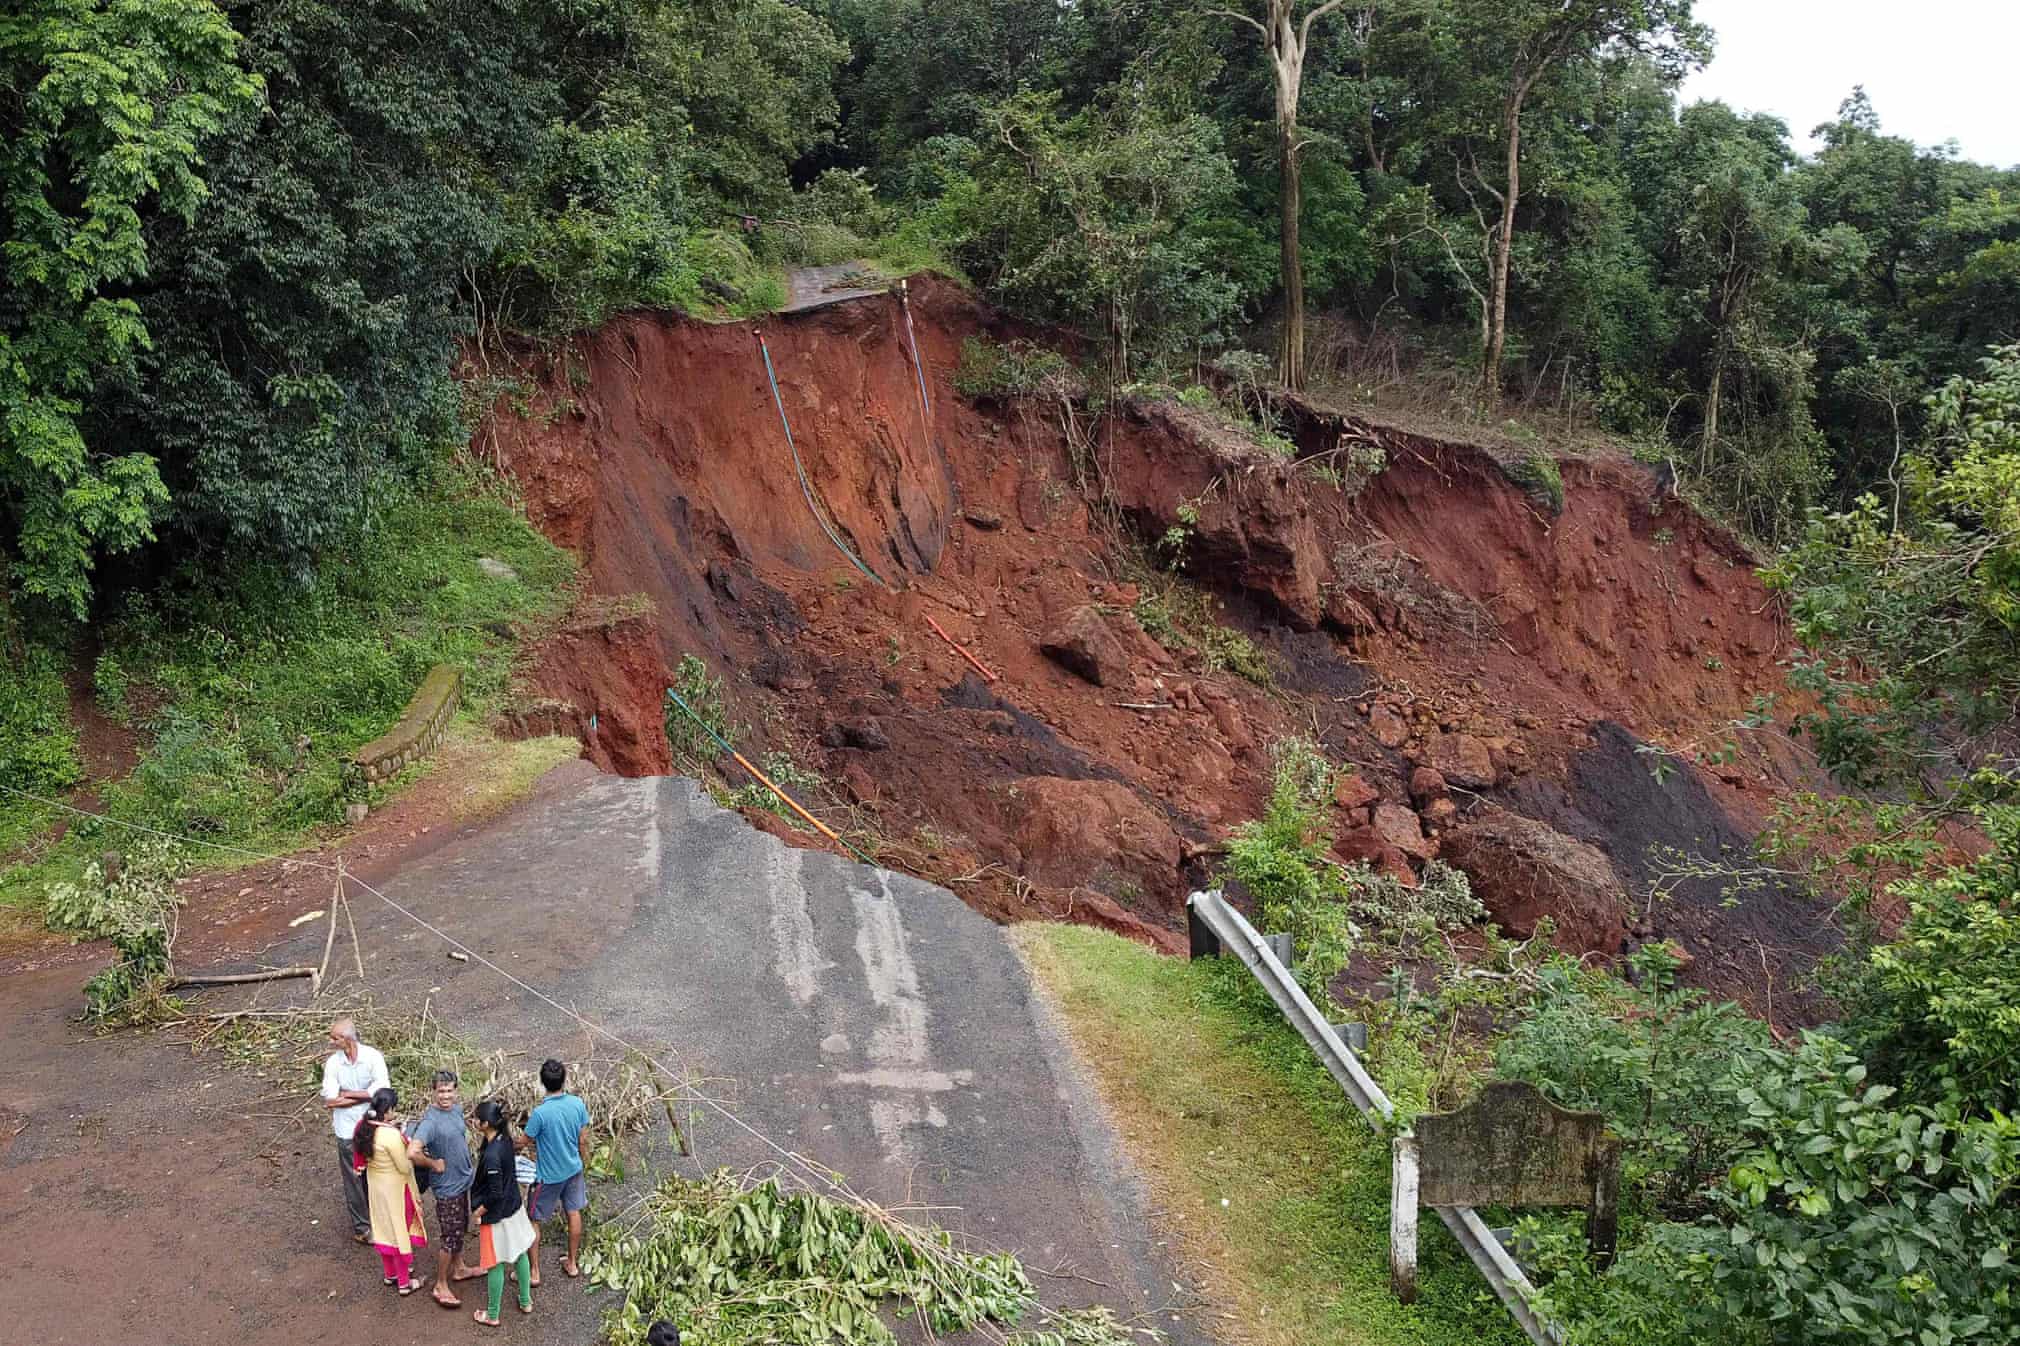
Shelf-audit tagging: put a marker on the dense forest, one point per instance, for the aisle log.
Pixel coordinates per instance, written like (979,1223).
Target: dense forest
(255,250)
(243,240)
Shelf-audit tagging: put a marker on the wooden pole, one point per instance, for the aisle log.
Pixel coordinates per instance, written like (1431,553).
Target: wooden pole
(1403,1220)
(240,978)
(329,940)
(357,949)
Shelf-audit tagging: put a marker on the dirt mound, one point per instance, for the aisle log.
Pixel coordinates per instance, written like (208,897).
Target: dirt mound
(1438,619)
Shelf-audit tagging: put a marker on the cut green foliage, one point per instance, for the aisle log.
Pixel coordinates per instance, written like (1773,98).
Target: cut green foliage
(139,895)
(742,1261)
(1183,618)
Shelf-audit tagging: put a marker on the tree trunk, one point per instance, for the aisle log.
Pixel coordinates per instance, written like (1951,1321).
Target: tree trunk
(1711,400)
(1504,250)
(1291,350)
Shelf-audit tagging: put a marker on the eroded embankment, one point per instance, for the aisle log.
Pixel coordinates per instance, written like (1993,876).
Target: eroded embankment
(1490,668)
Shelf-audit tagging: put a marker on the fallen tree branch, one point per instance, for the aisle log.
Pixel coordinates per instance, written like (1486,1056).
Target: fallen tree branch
(239,978)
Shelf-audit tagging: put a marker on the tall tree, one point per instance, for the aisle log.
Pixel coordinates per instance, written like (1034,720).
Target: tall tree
(1286,40)
(106,102)
(1514,46)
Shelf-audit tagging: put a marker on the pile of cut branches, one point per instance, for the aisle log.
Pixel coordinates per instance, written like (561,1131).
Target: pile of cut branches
(735,1259)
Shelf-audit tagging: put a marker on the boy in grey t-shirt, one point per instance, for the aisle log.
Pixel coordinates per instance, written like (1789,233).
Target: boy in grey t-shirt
(443,1135)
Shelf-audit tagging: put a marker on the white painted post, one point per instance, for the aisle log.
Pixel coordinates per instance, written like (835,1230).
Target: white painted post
(1403,1220)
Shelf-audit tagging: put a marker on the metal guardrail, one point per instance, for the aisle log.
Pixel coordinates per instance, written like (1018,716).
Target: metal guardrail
(1233,933)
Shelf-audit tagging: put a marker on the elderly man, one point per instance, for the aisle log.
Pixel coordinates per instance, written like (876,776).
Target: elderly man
(350,1076)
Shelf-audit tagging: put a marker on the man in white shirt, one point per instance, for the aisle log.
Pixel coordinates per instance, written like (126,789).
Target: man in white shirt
(351,1075)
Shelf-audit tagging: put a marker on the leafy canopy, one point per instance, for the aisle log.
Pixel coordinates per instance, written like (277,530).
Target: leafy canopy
(108,103)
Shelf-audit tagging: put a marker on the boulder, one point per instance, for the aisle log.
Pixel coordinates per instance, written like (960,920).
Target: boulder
(1523,870)
(1462,760)
(1399,826)
(1390,729)
(1082,643)
(1352,791)
(867,735)
(1073,832)
(1235,734)
(1367,845)
(1426,784)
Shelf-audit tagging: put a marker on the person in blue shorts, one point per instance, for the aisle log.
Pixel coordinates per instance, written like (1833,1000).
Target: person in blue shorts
(555,1127)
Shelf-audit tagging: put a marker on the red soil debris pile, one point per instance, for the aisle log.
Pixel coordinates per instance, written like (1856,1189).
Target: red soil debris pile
(1439,628)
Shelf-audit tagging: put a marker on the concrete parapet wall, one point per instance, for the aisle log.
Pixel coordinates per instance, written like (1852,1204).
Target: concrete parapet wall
(419,729)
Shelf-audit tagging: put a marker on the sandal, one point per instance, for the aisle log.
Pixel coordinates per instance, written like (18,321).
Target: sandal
(484,1319)
(388,1281)
(410,1287)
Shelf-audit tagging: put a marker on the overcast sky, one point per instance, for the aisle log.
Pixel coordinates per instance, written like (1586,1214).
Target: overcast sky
(1936,69)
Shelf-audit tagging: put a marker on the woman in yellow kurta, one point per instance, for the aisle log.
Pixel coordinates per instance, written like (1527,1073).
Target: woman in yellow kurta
(380,1151)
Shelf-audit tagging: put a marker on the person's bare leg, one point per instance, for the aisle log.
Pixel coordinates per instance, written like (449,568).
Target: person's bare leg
(574,1242)
(444,1265)
(533,1256)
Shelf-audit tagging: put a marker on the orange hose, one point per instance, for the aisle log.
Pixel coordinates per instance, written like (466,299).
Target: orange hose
(987,676)
(791,803)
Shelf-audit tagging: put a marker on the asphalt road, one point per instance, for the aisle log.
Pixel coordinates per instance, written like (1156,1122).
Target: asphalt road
(865,1020)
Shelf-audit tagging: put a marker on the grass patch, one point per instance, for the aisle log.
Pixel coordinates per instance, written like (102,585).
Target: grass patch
(241,670)
(719,279)
(1536,472)
(1219,1100)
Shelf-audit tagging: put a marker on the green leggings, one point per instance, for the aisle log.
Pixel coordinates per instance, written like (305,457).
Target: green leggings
(494,1284)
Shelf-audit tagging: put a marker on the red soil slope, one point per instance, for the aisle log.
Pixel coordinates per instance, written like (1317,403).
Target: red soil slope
(1490,669)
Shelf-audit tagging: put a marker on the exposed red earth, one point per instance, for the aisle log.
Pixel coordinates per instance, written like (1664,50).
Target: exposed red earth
(1488,668)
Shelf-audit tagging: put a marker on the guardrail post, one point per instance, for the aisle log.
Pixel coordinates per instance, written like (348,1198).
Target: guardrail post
(1285,948)
(1403,1220)
(1200,939)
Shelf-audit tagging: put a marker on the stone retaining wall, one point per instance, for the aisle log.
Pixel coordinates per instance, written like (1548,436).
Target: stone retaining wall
(419,729)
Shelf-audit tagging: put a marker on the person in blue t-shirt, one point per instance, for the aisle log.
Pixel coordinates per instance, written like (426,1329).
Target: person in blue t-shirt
(555,1127)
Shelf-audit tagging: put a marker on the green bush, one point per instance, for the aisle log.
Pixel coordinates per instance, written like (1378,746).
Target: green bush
(38,747)
(1281,859)
(703,692)
(1940,1017)
(1660,1061)
(994,371)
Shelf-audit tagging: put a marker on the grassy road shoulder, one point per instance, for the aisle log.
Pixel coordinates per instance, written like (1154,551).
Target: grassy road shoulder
(1274,1187)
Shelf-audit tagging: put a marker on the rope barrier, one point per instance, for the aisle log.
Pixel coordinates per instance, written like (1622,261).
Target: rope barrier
(763,779)
(792,1159)
(806,488)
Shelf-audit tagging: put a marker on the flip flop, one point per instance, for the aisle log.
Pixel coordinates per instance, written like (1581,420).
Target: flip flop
(447,1303)
(570,1271)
